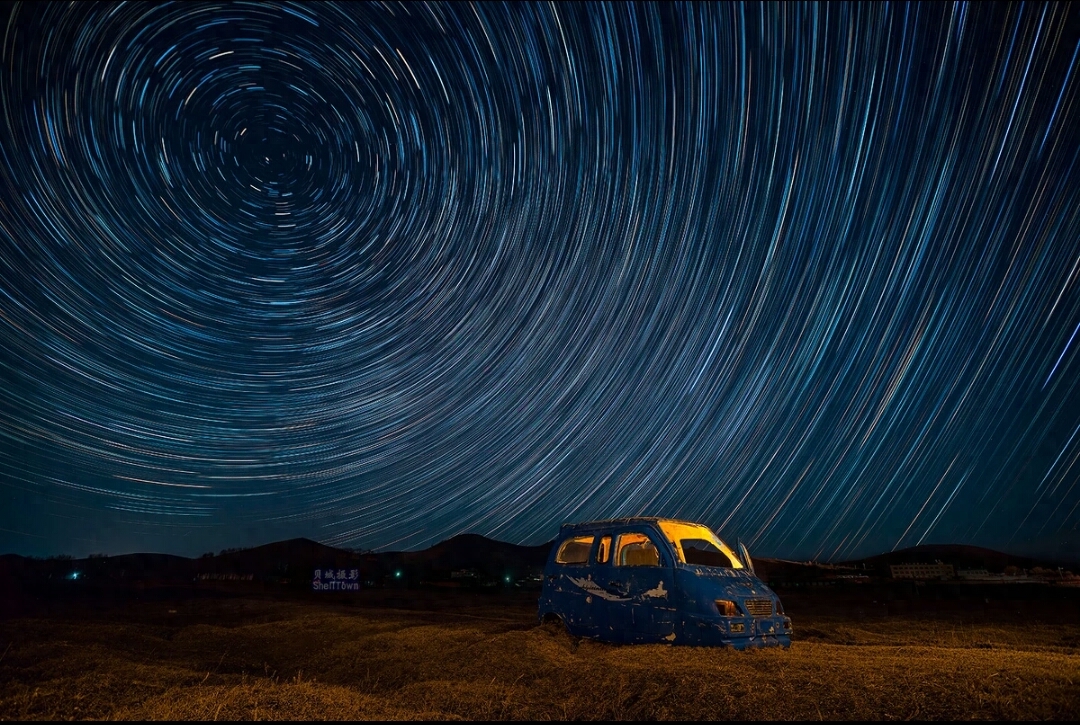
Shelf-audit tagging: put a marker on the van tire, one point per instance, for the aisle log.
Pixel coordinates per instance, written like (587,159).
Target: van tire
(554,626)
(553,623)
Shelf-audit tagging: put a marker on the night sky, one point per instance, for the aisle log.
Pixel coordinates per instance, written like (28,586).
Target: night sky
(382,274)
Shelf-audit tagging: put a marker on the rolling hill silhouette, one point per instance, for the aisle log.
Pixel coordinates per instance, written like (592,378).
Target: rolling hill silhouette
(960,556)
(294,560)
(293,557)
(466,551)
(466,559)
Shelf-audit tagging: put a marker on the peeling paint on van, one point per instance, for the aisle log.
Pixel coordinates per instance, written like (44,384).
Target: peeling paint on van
(588,585)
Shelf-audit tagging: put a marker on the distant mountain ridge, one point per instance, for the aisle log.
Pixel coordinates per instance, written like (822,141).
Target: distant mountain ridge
(460,552)
(468,558)
(959,555)
(296,560)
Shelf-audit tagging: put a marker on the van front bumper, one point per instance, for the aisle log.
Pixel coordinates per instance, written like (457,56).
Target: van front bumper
(736,632)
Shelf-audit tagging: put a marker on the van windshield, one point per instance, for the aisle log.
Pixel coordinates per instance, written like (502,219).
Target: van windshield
(696,544)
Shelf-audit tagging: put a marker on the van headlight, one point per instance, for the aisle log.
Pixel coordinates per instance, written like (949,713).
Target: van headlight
(726,608)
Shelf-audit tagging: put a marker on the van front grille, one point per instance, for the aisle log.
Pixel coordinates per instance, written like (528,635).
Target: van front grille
(758,607)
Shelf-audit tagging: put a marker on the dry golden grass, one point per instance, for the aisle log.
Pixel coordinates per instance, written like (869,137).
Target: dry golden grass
(247,659)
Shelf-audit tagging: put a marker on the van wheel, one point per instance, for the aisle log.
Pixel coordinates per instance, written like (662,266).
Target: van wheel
(554,626)
(553,623)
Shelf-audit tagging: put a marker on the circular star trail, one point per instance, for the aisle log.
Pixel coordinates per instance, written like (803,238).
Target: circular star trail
(379,274)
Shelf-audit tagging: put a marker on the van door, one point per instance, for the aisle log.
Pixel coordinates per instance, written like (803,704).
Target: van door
(640,606)
(569,585)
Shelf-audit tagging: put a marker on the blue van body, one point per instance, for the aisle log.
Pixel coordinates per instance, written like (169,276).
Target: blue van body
(650,580)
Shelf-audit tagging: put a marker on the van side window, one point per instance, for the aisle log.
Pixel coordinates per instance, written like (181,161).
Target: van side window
(575,550)
(603,552)
(636,550)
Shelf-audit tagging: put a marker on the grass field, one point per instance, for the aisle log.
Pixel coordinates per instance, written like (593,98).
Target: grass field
(451,657)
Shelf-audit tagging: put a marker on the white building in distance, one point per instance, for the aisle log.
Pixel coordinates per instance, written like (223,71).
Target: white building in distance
(937,570)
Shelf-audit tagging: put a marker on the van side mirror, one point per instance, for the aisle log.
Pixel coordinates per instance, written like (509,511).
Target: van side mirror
(745,556)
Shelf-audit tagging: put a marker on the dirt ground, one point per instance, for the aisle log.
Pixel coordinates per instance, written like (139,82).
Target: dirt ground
(445,655)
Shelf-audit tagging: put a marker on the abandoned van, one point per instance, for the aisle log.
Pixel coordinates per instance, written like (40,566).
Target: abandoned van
(641,580)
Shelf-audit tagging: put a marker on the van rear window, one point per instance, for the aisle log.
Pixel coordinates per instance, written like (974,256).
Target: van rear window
(575,550)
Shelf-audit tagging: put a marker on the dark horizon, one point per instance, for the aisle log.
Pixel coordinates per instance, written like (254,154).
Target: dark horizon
(379,274)
(924,548)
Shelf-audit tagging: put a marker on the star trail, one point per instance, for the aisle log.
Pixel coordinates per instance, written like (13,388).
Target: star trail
(379,274)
